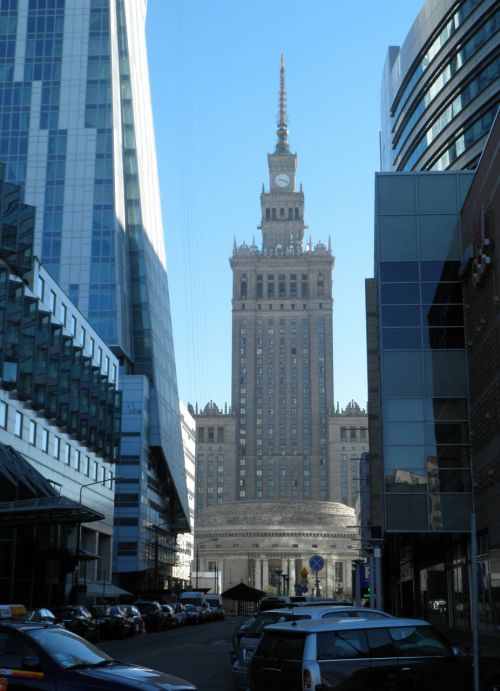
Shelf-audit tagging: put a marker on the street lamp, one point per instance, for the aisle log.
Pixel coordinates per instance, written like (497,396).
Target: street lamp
(79,529)
(203,542)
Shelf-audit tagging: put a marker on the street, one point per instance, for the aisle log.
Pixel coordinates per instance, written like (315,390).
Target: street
(199,654)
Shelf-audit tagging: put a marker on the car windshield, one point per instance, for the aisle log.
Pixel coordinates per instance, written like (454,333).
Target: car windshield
(257,626)
(67,649)
(99,610)
(66,612)
(190,608)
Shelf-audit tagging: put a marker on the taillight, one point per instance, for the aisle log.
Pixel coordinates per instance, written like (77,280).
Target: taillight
(306,679)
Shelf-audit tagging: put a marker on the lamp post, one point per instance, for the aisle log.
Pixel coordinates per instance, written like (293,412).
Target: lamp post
(79,529)
(198,544)
(357,581)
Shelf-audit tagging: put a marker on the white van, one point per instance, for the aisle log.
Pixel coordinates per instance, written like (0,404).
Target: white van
(193,597)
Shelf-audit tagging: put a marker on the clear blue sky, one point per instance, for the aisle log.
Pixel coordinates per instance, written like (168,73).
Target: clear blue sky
(214,70)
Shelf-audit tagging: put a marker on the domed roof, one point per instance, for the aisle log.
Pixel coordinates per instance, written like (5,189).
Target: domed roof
(274,514)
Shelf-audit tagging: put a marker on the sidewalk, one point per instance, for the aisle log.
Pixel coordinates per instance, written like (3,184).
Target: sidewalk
(489,644)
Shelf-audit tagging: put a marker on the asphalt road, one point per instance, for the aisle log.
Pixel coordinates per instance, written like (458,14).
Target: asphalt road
(199,654)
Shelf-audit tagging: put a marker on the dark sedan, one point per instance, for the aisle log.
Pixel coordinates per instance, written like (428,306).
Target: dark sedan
(135,616)
(47,657)
(79,620)
(113,621)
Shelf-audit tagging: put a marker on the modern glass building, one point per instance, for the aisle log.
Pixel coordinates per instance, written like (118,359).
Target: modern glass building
(420,463)
(76,131)
(59,428)
(441,88)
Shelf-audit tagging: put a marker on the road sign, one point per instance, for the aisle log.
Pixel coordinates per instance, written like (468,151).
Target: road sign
(305,588)
(316,563)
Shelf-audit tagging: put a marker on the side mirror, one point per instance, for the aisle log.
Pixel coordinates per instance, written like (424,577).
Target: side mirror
(31,662)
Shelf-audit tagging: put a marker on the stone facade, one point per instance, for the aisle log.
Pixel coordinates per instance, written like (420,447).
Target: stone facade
(216,475)
(348,440)
(251,542)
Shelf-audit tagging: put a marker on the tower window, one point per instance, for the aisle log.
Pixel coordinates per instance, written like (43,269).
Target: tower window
(270,285)
(273,213)
(268,214)
(260,289)
(281,286)
(290,212)
(293,286)
(304,285)
(243,286)
(320,284)
(296,212)
(282,212)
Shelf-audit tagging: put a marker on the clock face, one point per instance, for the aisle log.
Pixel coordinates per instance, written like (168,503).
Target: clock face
(282,180)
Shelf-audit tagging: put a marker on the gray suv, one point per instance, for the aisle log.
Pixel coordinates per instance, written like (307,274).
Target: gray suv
(247,642)
(360,655)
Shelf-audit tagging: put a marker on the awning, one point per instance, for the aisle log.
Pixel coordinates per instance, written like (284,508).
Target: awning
(83,555)
(104,589)
(44,510)
(34,501)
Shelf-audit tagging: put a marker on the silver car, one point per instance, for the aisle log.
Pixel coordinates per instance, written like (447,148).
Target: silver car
(250,638)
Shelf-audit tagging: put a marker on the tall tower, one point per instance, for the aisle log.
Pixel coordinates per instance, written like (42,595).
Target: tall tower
(77,133)
(282,355)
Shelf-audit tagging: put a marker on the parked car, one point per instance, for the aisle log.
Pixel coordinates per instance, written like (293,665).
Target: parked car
(79,620)
(246,644)
(363,654)
(113,621)
(169,619)
(215,604)
(192,614)
(41,614)
(180,614)
(205,613)
(47,657)
(135,616)
(152,614)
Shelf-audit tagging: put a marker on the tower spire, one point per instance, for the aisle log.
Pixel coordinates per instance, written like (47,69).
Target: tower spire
(282,131)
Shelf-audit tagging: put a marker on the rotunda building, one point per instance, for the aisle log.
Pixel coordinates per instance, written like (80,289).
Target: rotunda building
(268,545)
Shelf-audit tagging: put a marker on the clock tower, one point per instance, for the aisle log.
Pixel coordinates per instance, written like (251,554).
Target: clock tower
(282,207)
(282,350)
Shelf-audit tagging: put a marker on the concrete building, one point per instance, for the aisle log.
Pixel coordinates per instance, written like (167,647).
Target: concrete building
(216,460)
(440,89)
(264,466)
(347,441)
(77,134)
(268,544)
(59,429)
(181,571)
(282,354)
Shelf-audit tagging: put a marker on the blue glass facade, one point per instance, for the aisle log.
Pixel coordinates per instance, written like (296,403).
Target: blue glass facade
(424,416)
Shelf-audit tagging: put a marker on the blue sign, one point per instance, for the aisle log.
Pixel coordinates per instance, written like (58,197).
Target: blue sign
(305,588)
(298,589)
(316,563)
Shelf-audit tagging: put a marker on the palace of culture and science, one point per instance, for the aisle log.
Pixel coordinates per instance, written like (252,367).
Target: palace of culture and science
(270,490)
